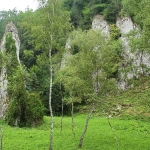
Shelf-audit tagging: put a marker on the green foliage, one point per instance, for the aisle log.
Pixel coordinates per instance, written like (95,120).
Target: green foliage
(74,49)
(58,91)
(29,58)
(72,85)
(17,97)
(139,11)
(24,109)
(28,113)
(34,110)
(82,12)
(10,52)
(10,44)
(1,59)
(31,37)
(112,10)
(93,68)
(111,58)
(114,32)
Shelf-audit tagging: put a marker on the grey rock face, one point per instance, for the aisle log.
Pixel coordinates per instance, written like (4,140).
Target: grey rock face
(136,59)
(101,24)
(10,28)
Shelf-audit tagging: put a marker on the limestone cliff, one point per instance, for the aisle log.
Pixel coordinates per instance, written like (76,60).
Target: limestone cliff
(136,59)
(10,28)
(100,23)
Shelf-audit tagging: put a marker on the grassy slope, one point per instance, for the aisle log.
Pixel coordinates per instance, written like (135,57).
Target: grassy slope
(133,103)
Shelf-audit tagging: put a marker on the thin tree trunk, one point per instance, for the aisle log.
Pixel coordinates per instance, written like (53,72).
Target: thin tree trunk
(115,137)
(72,114)
(61,122)
(62,110)
(1,138)
(85,128)
(117,144)
(50,98)
(51,81)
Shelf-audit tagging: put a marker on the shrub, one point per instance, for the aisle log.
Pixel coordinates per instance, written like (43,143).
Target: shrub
(28,112)
(34,110)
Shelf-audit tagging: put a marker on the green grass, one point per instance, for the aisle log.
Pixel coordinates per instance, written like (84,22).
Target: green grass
(131,125)
(131,135)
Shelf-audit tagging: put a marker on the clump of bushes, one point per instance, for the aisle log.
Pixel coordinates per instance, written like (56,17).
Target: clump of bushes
(28,112)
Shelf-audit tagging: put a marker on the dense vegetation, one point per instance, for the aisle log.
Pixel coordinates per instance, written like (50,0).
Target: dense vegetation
(88,77)
(82,12)
(90,72)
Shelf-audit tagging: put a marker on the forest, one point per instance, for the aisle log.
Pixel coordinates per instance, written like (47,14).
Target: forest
(81,80)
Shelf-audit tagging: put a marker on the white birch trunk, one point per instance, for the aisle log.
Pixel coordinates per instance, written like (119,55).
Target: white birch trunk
(51,81)
(50,98)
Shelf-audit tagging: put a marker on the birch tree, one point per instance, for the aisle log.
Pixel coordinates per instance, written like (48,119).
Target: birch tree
(56,24)
(90,71)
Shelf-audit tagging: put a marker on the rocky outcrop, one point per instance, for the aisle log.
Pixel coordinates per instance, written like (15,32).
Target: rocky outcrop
(101,24)
(135,59)
(10,28)
(66,54)
(125,25)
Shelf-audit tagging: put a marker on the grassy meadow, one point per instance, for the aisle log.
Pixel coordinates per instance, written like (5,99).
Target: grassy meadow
(130,124)
(131,135)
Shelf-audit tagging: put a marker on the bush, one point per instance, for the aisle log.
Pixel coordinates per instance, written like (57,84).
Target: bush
(28,112)
(34,110)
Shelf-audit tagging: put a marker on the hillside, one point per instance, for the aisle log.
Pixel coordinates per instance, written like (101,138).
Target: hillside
(77,53)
